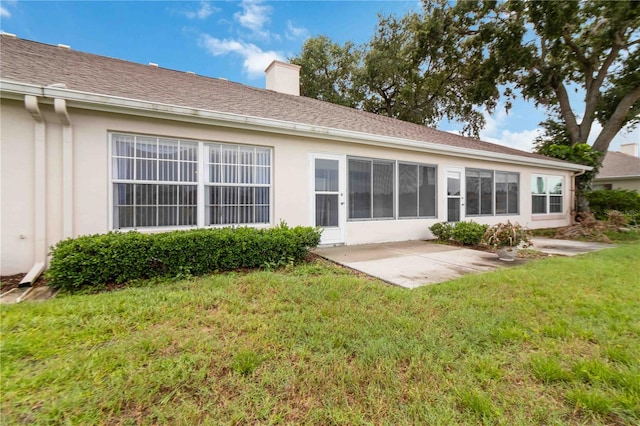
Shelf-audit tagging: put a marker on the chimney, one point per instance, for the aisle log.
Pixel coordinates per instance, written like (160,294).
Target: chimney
(629,149)
(283,78)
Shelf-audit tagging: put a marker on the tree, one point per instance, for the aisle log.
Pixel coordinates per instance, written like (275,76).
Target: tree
(546,49)
(414,70)
(327,71)
(453,58)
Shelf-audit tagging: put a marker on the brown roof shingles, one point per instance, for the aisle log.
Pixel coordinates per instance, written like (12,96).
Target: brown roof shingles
(42,64)
(618,164)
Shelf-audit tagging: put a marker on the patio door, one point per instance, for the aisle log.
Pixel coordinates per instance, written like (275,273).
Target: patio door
(328,204)
(455,194)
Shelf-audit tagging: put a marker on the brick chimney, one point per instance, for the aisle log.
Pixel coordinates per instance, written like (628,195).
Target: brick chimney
(283,78)
(629,149)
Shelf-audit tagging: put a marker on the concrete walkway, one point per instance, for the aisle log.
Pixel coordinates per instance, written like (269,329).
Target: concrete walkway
(412,264)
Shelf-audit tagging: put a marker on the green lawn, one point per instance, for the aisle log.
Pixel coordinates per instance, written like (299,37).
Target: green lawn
(556,341)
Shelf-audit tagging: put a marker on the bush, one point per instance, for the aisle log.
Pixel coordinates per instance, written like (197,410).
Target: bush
(622,200)
(442,231)
(468,233)
(117,257)
(507,235)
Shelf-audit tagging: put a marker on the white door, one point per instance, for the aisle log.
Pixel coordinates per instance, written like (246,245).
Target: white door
(328,204)
(455,194)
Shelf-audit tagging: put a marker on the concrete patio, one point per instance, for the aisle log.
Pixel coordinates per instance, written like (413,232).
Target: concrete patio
(412,264)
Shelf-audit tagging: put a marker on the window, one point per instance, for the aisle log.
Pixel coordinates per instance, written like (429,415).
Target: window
(416,190)
(371,184)
(546,194)
(479,192)
(507,193)
(237,184)
(156,182)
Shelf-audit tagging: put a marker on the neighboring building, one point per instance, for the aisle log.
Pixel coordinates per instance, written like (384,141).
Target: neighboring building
(91,144)
(620,170)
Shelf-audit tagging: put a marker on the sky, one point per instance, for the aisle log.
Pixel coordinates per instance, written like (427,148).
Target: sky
(235,40)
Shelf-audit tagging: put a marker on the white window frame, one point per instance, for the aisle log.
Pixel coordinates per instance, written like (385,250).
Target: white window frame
(201,183)
(547,194)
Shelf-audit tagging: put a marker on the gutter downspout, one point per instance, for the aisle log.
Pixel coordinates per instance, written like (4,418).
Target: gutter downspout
(60,107)
(39,193)
(574,190)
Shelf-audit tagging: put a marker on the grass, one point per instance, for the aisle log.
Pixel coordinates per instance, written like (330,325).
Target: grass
(556,341)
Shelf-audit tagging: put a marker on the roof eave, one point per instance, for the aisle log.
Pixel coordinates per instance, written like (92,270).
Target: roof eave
(99,102)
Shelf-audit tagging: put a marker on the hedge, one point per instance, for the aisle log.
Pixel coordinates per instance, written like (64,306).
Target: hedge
(117,257)
(623,200)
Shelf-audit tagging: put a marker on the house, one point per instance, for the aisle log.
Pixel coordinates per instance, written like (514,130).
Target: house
(92,144)
(620,170)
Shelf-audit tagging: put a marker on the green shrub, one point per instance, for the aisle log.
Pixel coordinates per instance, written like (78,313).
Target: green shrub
(468,233)
(117,257)
(622,200)
(442,231)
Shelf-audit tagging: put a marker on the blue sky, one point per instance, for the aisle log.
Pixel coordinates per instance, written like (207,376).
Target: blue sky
(231,39)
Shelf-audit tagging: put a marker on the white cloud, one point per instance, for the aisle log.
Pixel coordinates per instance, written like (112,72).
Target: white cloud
(203,13)
(255,59)
(254,16)
(4,12)
(294,33)
(495,132)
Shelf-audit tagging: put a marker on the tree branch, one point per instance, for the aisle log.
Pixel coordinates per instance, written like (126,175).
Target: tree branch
(614,124)
(588,66)
(567,113)
(593,91)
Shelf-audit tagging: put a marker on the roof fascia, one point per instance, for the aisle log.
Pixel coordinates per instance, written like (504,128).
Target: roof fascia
(114,104)
(626,177)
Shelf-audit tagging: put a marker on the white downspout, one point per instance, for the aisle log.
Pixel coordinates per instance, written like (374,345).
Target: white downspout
(60,107)
(39,192)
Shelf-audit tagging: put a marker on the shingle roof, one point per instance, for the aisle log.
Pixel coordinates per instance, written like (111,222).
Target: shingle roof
(42,64)
(617,164)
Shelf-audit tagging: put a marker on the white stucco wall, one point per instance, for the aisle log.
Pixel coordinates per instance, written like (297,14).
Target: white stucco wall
(290,199)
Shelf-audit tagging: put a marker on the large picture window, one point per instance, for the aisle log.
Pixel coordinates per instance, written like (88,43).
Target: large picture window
(416,190)
(156,182)
(371,184)
(546,194)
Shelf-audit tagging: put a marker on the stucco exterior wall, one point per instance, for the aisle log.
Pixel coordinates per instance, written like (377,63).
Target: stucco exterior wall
(630,184)
(16,181)
(291,178)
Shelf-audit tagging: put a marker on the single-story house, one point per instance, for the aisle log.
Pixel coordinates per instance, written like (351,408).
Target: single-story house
(620,170)
(92,144)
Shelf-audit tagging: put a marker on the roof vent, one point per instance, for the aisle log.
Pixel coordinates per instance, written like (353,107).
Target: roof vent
(64,46)
(153,64)
(9,35)
(223,79)
(191,72)
(283,78)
